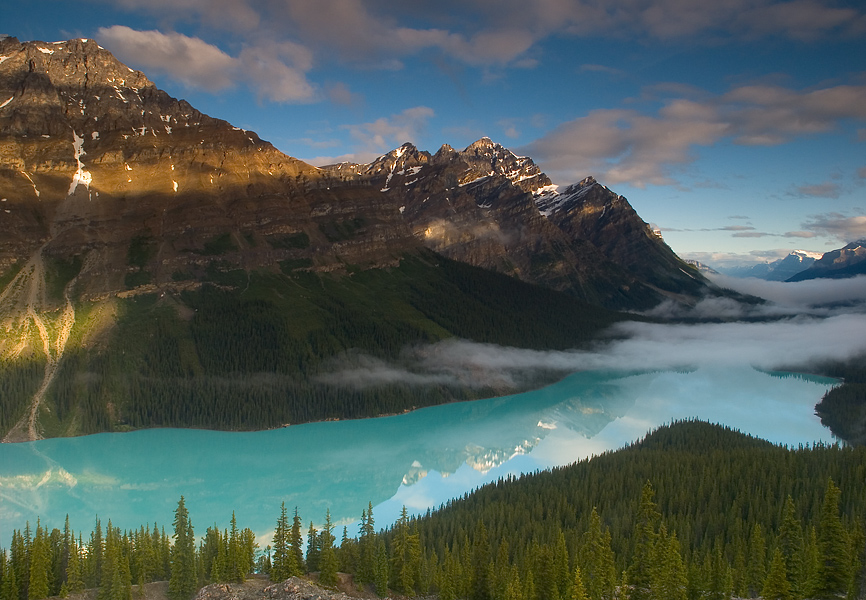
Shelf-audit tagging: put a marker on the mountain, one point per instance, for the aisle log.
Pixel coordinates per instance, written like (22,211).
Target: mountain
(849,261)
(488,207)
(162,267)
(777,270)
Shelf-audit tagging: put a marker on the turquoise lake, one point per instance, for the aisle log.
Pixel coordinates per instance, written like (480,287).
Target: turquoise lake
(418,459)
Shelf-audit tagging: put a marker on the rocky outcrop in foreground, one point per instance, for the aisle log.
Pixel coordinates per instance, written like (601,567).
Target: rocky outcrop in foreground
(294,588)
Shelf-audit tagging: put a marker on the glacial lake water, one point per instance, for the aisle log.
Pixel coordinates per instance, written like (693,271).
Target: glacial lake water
(418,459)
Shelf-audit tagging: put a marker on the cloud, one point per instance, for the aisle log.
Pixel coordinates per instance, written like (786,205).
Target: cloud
(847,229)
(801,295)
(792,342)
(339,93)
(484,33)
(387,133)
(275,70)
(627,146)
(190,61)
(861,172)
(818,190)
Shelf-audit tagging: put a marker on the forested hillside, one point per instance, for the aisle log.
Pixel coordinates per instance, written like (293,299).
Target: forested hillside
(251,350)
(693,511)
(843,408)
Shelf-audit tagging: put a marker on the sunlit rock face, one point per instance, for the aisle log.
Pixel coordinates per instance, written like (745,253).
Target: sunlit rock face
(93,155)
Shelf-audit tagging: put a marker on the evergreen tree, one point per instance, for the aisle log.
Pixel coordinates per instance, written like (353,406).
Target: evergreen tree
(405,555)
(481,584)
(645,535)
(9,583)
(757,560)
(296,540)
(236,563)
(39,565)
(74,582)
(312,548)
(834,574)
(790,542)
(776,587)
(327,556)
(282,554)
(597,561)
(182,584)
(347,557)
(578,591)
(367,547)
(382,573)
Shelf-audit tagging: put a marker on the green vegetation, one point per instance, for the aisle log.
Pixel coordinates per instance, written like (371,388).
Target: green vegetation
(693,511)
(338,231)
(142,248)
(258,355)
(219,245)
(58,274)
(843,408)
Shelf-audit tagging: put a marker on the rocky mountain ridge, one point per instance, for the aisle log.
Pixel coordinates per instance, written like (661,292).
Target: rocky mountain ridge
(848,261)
(777,270)
(123,209)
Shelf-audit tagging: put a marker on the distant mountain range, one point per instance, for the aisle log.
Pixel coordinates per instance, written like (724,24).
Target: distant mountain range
(801,265)
(777,270)
(146,245)
(849,261)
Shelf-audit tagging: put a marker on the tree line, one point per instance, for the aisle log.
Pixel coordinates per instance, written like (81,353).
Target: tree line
(691,512)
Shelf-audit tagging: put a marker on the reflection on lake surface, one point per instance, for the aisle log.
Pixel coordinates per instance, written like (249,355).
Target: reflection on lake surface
(419,459)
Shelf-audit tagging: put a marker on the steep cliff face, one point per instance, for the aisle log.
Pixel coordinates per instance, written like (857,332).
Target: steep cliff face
(488,207)
(93,155)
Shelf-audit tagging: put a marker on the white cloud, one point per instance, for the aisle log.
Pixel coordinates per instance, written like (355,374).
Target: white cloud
(626,146)
(276,71)
(190,61)
(841,227)
(485,33)
(388,133)
(793,342)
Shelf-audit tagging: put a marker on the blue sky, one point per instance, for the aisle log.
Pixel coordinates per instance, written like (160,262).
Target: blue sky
(736,126)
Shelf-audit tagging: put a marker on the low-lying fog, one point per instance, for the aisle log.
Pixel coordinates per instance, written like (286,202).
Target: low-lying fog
(799,325)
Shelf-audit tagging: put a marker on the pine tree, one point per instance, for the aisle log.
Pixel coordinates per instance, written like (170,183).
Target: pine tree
(367,547)
(835,566)
(327,556)
(757,561)
(597,564)
(39,565)
(296,541)
(282,555)
(578,591)
(312,548)
(235,564)
(382,574)
(645,535)
(776,586)
(74,582)
(481,580)
(790,541)
(182,584)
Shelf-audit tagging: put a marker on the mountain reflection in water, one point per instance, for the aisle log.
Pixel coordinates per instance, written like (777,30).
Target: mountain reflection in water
(419,459)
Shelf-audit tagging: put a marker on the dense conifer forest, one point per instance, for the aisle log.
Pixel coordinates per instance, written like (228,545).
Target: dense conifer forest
(251,350)
(843,408)
(693,511)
